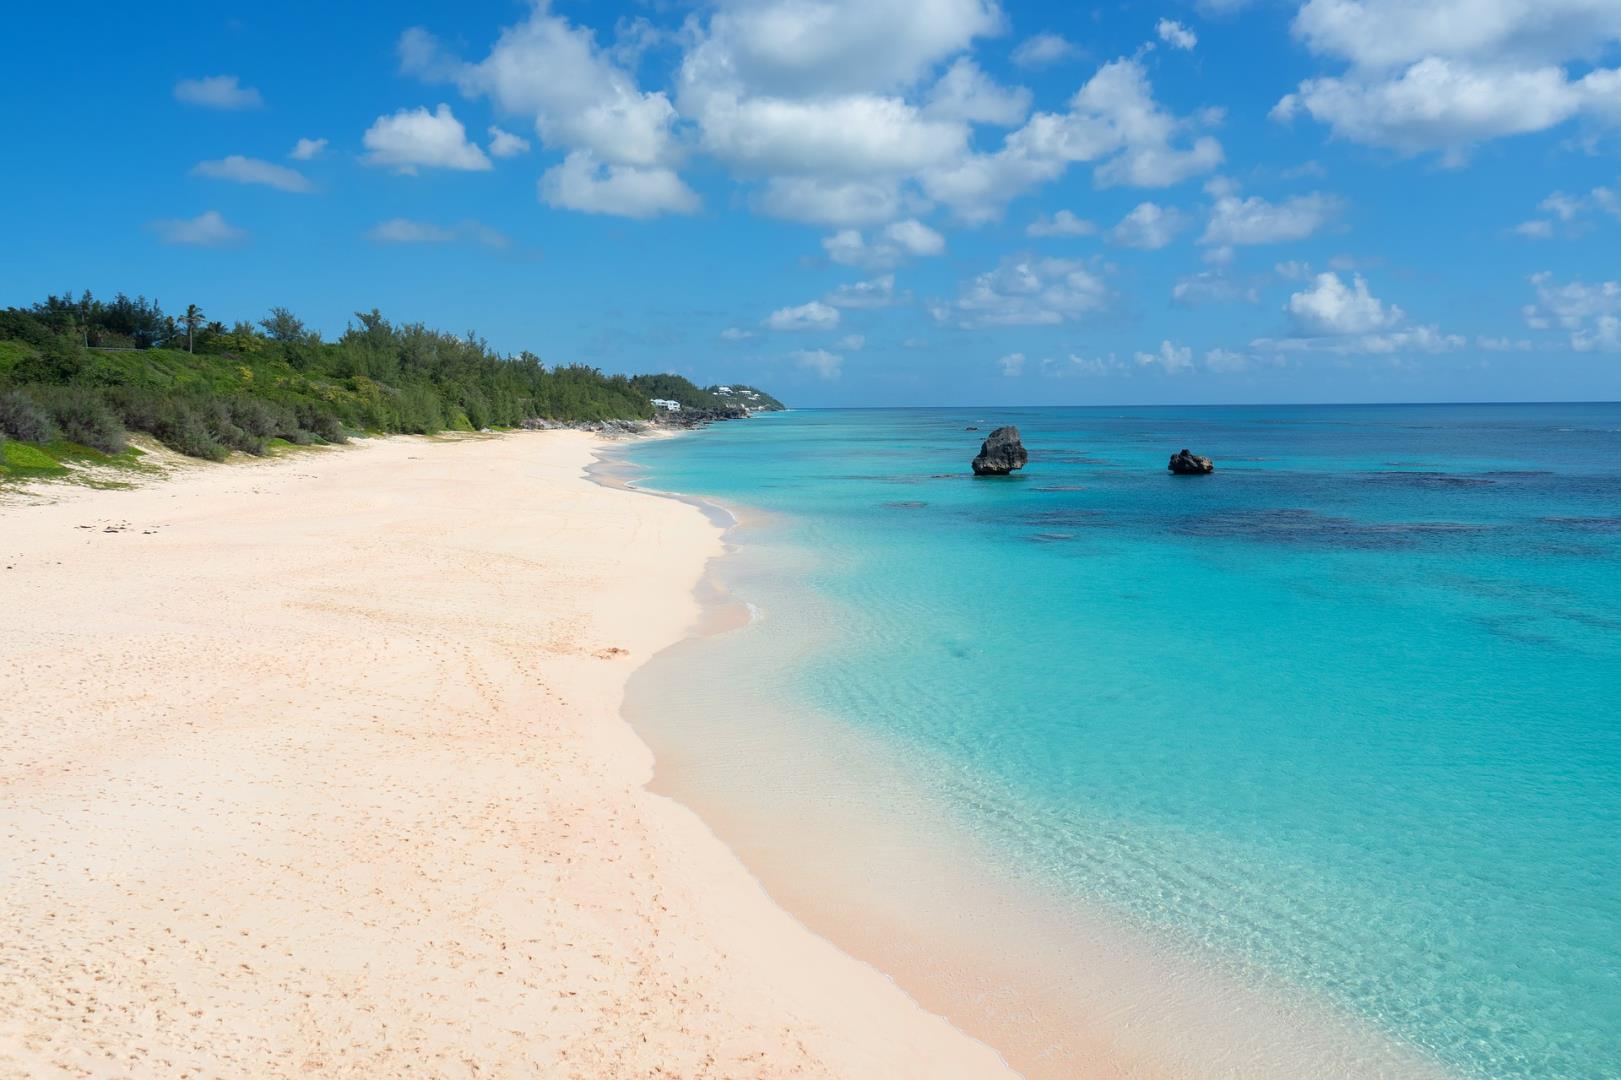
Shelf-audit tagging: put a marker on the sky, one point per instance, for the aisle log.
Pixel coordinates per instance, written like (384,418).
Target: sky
(860,202)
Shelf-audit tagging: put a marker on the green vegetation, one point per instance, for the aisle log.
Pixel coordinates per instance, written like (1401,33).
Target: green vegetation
(20,459)
(675,388)
(89,372)
(751,396)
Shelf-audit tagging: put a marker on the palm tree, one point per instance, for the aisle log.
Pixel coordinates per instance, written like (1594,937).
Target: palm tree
(193,319)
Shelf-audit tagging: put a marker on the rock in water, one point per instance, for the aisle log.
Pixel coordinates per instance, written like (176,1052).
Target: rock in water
(1001,453)
(1184,463)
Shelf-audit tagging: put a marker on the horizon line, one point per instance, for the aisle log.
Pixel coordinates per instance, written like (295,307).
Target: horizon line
(1205,405)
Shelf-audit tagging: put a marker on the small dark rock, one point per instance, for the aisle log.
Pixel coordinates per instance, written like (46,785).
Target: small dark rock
(1001,453)
(1184,463)
(971,427)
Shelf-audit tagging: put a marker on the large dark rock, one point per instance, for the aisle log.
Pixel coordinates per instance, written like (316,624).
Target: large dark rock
(1184,463)
(1001,453)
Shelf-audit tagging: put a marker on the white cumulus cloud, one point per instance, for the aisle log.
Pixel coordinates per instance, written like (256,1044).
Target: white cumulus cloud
(1212,287)
(1589,313)
(876,293)
(812,316)
(246,170)
(1148,226)
(1175,34)
(1113,121)
(1087,366)
(504,144)
(218,92)
(416,137)
(307,149)
(1169,357)
(826,100)
(1027,291)
(1416,339)
(208,229)
(853,136)
(1331,316)
(808,48)
(1568,210)
(890,246)
(1043,50)
(1012,364)
(592,187)
(965,92)
(817,201)
(1329,307)
(576,94)
(1387,34)
(1236,221)
(1061,223)
(1444,75)
(819,361)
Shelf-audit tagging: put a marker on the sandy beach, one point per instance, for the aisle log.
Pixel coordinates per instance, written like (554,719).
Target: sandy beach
(315,767)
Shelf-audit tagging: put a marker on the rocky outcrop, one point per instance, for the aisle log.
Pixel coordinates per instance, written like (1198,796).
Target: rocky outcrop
(1184,463)
(1001,453)
(701,417)
(603,427)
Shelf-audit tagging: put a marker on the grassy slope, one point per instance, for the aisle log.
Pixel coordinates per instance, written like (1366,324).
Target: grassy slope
(60,459)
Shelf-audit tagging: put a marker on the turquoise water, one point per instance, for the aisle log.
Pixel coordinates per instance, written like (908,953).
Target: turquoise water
(1349,709)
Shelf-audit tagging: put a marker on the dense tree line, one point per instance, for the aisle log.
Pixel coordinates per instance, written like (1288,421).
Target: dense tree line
(87,371)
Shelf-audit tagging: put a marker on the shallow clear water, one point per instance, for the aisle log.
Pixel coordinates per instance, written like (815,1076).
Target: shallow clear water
(1349,709)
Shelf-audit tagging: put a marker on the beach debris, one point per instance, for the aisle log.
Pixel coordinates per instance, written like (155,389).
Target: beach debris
(1001,453)
(612,652)
(1186,463)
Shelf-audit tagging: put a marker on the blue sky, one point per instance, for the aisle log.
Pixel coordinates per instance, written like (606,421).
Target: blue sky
(862,201)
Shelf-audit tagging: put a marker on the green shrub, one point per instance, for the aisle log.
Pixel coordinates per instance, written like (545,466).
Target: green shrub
(258,419)
(56,359)
(81,416)
(22,419)
(140,410)
(220,419)
(185,430)
(318,421)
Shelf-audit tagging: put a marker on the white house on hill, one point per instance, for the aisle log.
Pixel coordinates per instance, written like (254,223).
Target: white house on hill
(666,404)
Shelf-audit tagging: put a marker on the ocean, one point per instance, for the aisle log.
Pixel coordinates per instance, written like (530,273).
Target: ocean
(1341,721)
